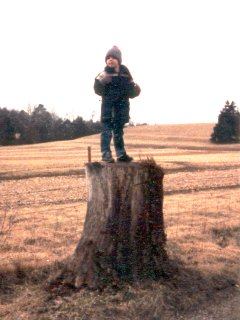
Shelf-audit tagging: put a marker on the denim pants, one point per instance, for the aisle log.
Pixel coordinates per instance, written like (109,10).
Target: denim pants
(115,130)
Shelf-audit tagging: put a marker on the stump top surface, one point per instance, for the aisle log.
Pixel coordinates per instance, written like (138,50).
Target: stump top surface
(115,164)
(133,166)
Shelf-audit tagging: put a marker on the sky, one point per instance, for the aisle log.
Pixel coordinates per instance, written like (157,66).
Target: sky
(185,55)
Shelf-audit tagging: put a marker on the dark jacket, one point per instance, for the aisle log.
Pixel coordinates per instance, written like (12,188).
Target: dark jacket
(115,94)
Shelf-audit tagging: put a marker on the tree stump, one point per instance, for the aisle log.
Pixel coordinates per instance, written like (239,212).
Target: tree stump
(123,237)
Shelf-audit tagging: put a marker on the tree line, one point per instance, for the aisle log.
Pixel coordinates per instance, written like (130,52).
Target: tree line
(39,125)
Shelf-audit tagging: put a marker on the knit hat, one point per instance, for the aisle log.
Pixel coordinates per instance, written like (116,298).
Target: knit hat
(114,52)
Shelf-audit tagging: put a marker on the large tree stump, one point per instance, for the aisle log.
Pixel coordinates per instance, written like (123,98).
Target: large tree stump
(123,236)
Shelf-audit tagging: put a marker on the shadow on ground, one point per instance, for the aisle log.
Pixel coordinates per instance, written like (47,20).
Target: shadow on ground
(183,293)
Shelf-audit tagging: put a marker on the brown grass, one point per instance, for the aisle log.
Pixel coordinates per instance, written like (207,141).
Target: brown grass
(43,203)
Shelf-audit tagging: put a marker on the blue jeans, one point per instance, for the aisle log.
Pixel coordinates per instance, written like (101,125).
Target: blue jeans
(115,130)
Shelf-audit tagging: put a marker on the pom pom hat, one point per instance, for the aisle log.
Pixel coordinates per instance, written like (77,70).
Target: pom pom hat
(114,52)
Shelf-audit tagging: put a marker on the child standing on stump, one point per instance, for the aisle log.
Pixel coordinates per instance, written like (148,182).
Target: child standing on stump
(115,85)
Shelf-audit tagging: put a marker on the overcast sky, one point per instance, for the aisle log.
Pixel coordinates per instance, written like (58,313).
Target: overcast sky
(185,55)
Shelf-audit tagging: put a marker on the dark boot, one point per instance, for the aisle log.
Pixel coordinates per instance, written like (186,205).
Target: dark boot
(107,157)
(125,158)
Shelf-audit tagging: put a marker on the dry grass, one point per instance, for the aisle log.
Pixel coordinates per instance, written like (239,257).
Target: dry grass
(43,205)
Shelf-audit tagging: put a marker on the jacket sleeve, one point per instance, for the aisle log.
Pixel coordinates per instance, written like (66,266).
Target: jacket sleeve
(99,88)
(99,84)
(134,90)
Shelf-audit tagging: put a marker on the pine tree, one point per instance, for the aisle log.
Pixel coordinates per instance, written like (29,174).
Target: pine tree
(227,130)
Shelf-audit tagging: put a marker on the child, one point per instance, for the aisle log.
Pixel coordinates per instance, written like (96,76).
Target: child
(115,85)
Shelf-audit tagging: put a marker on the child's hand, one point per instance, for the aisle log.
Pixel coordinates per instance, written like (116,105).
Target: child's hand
(105,78)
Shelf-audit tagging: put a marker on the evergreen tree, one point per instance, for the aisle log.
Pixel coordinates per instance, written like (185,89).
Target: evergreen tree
(227,130)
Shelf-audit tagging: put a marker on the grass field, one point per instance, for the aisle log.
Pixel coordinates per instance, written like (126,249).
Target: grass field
(42,210)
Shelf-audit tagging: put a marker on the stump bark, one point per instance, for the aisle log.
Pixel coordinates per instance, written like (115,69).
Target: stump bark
(123,236)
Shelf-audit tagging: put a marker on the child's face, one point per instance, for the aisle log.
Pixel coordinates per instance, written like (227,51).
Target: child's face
(112,62)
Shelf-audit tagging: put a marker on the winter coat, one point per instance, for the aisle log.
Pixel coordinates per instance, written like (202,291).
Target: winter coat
(115,94)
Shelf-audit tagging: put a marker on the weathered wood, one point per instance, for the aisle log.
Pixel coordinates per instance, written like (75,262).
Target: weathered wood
(123,236)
